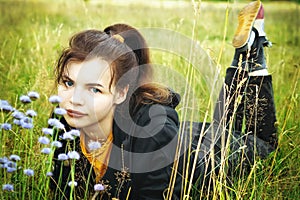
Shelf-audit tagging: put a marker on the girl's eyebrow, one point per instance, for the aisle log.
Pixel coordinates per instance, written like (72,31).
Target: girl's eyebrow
(95,84)
(66,77)
(88,84)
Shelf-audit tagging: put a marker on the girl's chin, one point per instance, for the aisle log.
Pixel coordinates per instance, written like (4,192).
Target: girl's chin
(73,123)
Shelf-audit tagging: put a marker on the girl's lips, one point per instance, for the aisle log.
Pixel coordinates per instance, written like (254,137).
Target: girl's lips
(75,114)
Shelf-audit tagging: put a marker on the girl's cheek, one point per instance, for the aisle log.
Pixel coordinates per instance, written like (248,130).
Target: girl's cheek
(64,93)
(60,90)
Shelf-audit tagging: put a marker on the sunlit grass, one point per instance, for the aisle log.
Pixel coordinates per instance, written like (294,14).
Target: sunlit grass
(33,34)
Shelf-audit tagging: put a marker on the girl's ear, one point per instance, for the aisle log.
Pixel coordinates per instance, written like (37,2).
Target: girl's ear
(121,95)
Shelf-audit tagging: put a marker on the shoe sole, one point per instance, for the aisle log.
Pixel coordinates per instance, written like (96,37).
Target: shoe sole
(246,20)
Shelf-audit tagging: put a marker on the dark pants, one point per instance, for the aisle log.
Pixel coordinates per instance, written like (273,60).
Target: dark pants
(243,128)
(246,105)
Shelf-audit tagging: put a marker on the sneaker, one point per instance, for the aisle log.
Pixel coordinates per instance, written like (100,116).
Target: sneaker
(259,25)
(250,38)
(246,20)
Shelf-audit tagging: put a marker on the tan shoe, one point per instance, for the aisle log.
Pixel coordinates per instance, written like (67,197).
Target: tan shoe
(246,20)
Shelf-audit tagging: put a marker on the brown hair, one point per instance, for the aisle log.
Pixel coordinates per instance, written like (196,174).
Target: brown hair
(129,61)
(148,92)
(91,44)
(135,41)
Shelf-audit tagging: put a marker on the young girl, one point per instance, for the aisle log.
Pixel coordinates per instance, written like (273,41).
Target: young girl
(129,126)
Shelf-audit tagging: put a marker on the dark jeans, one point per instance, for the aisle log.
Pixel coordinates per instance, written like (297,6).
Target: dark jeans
(243,128)
(246,105)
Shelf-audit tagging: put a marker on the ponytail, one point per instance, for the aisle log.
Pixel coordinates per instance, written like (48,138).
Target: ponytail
(147,92)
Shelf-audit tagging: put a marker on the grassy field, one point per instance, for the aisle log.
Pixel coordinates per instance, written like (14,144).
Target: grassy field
(33,33)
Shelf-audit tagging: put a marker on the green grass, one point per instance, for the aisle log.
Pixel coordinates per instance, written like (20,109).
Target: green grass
(33,33)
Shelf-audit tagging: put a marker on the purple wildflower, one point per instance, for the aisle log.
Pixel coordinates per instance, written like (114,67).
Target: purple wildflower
(67,136)
(4,103)
(31,113)
(57,144)
(60,111)
(6,108)
(11,164)
(29,172)
(44,140)
(26,122)
(55,123)
(27,125)
(94,145)
(73,155)
(18,115)
(14,157)
(62,156)
(49,174)
(54,99)
(33,95)
(98,187)
(72,183)
(10,169)
(74,132)
(46,150)
(52,121)
(17,122)
(25,99)
(4,160)
(47,131)
(7,187)
(59,125)
(6,126)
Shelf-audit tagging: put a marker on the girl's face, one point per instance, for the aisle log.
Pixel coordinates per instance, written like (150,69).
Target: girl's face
(86,95)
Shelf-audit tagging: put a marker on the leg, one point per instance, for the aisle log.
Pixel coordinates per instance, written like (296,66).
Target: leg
(245,105)
(260,109)
(247,95)
(229,110)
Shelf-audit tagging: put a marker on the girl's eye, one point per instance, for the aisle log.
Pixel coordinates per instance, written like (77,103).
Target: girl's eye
(69,83)
(95,90)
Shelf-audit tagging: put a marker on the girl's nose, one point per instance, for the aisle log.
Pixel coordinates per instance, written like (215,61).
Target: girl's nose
(77,97)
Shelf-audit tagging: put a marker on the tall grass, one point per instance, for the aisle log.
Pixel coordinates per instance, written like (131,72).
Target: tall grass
(33,33)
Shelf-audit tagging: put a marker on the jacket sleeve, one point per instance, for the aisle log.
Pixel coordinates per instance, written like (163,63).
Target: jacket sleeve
(153,150)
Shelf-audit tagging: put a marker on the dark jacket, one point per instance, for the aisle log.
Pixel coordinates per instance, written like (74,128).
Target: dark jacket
(140,162)
(143,153)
